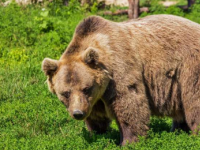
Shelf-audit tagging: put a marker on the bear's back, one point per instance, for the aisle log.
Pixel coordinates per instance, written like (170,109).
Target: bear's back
(165,36)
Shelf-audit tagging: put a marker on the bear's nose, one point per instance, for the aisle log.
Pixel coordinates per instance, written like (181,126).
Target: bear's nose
(78,114)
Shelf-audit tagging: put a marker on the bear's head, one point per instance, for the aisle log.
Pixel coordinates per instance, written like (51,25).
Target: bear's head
(79,81)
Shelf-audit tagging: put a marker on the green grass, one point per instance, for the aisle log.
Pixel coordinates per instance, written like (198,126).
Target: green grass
(30,116)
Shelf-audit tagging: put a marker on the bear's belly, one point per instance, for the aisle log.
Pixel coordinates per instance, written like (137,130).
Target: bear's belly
(163,92)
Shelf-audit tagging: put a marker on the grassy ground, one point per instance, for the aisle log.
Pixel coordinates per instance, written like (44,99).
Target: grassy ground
(30,116)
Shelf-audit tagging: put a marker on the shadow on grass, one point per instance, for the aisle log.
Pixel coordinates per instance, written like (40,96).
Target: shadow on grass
(112,134)
(158,125)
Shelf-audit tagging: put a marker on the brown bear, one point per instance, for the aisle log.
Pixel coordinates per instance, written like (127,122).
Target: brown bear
(129,71)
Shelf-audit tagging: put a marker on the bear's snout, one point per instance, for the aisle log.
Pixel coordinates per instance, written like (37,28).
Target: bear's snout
(79,115)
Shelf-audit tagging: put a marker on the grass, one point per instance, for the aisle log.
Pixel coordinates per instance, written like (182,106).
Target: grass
(30,116)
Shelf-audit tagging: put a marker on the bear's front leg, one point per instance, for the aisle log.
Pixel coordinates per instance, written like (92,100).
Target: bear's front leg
(98,120)
(132,114)
(99,126)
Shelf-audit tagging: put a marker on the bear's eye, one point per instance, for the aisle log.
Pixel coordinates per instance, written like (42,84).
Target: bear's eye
(87,90)
(66,94)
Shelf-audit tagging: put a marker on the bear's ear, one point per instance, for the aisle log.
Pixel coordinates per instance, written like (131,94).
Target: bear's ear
(49,66)
(91,56)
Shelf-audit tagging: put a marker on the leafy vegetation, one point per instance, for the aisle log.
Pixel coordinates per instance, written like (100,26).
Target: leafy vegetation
(30,116)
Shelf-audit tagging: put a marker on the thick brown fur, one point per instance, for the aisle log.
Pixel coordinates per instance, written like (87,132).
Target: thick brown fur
(128,71)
